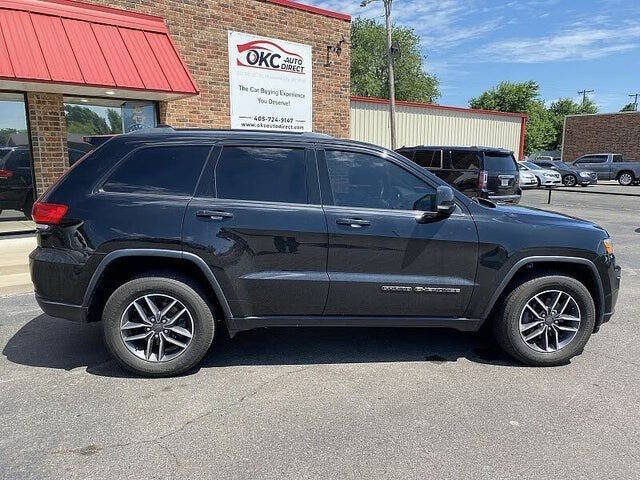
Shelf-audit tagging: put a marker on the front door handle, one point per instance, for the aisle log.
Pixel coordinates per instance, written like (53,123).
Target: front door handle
(214,214)
(353,222)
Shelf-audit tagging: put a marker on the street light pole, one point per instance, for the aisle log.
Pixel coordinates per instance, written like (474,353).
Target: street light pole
(392,87)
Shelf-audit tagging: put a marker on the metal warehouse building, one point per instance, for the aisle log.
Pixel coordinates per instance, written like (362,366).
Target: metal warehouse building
(428,124)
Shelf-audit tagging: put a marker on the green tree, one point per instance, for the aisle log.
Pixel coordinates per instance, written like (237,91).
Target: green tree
(369,63)
(560,109)
(521,97)
(85,121)
(629,107)
(5,133)
(115,120)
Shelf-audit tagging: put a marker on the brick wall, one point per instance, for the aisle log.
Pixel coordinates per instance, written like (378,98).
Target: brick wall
(609,133)
(199,30)
(45,112)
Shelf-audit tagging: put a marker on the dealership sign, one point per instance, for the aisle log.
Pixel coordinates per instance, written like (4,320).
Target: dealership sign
(269,83)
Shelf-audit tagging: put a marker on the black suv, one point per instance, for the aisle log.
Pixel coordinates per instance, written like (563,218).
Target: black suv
(483,172)
(167,236)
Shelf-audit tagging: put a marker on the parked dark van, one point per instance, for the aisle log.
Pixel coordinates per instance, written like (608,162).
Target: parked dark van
(475,171)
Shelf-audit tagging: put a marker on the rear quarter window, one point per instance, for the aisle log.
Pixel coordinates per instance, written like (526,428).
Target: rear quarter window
(162,170)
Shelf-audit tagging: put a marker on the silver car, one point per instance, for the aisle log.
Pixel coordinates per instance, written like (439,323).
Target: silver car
(544,177)
(527,180)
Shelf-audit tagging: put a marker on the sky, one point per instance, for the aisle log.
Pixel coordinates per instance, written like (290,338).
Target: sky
(564,45)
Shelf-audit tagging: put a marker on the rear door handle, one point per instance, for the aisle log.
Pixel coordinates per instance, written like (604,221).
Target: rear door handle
(214,214)
(353,222)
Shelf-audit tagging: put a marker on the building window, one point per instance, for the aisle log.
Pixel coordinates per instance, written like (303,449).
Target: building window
(16,178)
(92,121)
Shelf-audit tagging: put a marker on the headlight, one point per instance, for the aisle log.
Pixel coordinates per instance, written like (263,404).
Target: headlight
(608,246)
(584,174)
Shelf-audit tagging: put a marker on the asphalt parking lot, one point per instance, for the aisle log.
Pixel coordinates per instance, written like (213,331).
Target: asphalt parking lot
(329,403)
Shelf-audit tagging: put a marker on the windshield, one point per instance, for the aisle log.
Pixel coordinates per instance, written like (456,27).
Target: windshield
(532,166)
(499,162)
(562,165)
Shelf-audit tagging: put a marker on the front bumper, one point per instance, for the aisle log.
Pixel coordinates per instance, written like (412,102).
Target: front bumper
(587,180)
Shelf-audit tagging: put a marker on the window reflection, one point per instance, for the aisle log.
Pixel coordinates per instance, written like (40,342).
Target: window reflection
(16,181)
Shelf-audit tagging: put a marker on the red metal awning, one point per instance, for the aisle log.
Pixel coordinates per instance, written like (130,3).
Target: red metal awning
(70,47)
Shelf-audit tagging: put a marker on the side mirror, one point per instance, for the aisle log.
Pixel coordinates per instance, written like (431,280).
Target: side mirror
(444,206)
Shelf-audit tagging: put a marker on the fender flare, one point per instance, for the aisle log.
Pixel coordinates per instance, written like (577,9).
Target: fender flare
(537,259)
(152,252)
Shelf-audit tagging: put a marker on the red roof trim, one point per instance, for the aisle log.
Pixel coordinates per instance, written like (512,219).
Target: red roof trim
(433,106)
(96,49)
(89,13)
(312,9)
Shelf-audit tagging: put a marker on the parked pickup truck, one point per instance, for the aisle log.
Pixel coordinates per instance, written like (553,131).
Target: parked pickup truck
(611,166)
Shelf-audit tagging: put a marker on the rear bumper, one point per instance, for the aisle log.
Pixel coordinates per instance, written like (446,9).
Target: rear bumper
(75,313)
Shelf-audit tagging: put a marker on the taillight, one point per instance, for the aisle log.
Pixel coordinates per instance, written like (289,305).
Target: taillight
(48,213)
(482,180)
(6,173)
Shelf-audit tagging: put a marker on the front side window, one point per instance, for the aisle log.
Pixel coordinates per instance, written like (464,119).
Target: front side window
(166,170)
(266,174)
(363,180)
(617,159)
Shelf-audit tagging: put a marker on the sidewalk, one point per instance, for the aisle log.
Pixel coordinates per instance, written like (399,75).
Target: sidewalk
(14,265)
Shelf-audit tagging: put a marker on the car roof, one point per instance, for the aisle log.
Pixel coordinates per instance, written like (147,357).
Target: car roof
(167,133)
(449,147)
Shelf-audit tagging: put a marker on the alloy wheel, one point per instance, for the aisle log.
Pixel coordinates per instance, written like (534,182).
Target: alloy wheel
(625,179)
(156,327)
(569,180)
(549,321)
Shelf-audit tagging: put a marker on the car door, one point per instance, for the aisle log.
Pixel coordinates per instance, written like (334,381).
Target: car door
(257,222)
(381,261)
(597,164)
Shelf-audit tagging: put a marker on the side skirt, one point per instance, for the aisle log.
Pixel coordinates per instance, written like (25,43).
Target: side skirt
(249,323)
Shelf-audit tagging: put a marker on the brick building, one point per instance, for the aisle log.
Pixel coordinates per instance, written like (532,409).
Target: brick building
(74,72)
(602,133)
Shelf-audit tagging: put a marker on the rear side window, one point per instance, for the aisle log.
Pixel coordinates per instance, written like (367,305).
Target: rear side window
(167,170)
(262,174)
(592,159)
(428,158)
(461,160)
(496,162)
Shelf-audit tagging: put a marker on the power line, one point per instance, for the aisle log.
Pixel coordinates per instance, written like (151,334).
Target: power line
(584,95)
(635,100)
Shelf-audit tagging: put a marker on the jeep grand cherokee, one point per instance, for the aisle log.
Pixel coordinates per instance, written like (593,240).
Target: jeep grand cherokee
(167,236)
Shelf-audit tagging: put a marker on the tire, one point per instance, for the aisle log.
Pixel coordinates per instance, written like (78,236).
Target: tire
(626,178)
(569,180)
(538,182)
(507,324)
(168,359)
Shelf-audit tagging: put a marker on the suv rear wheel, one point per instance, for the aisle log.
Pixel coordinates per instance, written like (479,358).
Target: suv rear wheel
(158,326)
(546,321)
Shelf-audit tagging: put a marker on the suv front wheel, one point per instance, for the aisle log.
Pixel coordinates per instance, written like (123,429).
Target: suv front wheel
(158,326)
(546,321)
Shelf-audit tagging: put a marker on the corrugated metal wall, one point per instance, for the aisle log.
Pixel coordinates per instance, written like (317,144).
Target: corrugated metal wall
(418,125)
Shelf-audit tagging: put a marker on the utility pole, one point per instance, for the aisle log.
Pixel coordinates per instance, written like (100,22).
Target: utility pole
(584,95)
(392,87)
(635,100)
